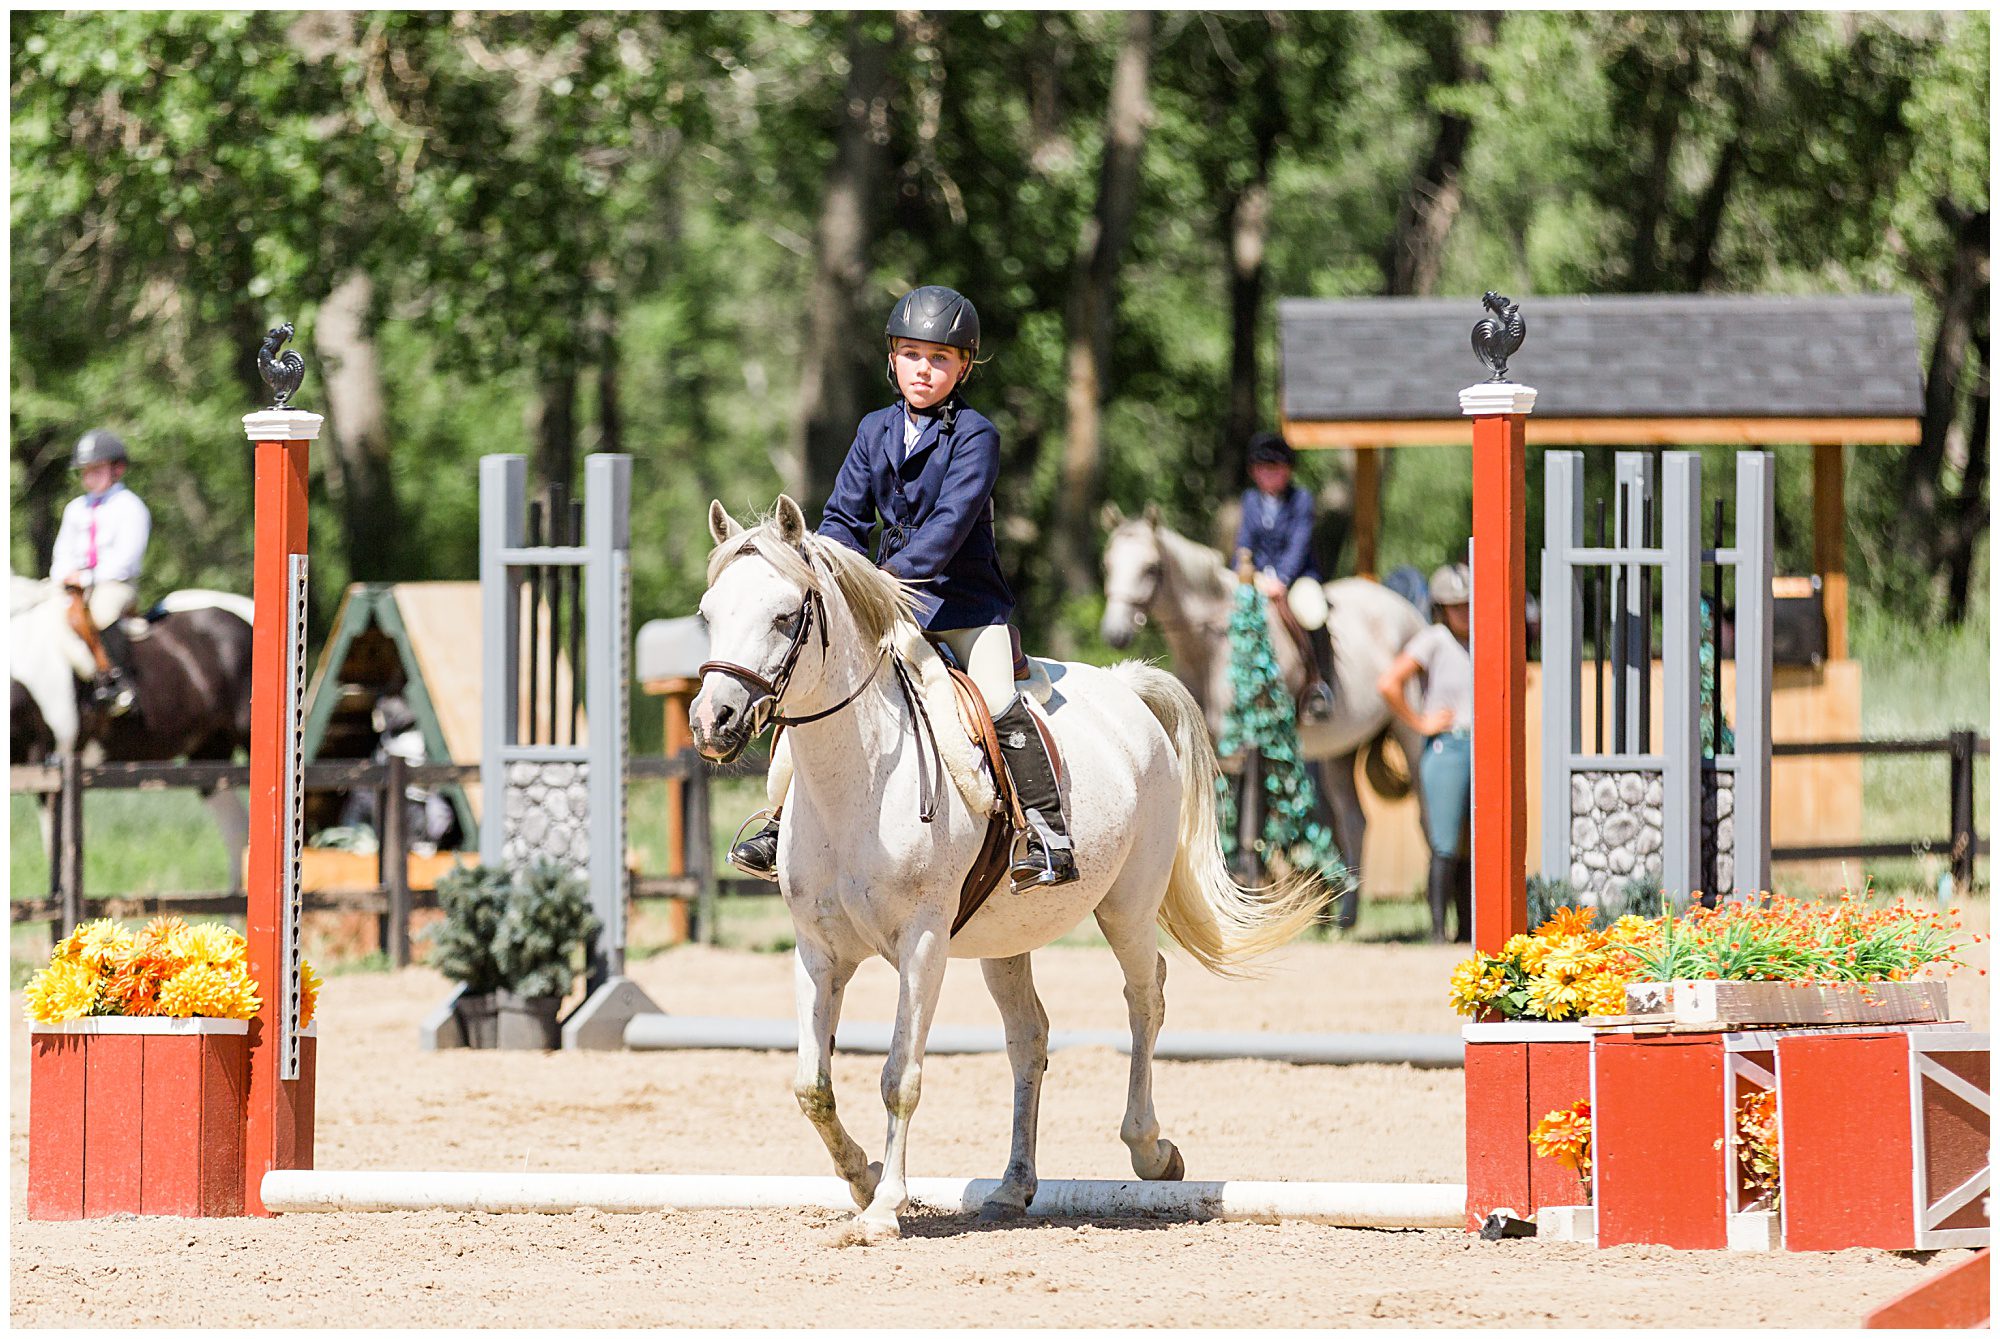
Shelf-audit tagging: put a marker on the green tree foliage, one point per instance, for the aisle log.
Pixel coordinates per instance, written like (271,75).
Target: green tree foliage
(592,230)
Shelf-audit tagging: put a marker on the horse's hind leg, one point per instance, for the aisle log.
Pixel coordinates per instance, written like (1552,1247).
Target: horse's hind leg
(819,982)
(232,821)
(1145,967)
(1350,829)
(1027,1024)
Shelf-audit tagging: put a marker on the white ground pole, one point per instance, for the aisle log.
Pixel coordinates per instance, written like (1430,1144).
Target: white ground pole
(1343,1204)
(665,1032)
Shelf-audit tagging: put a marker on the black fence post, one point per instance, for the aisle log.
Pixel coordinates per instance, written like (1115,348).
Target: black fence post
(69,846)
(1962,838)
(394,850)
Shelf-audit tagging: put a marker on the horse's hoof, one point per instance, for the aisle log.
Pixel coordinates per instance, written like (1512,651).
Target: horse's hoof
(869,1229)
(997,1210)
(1176,1167)
(864,1192)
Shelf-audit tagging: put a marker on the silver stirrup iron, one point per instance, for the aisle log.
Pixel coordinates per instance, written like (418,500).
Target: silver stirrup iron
(1024,871)
(768,876)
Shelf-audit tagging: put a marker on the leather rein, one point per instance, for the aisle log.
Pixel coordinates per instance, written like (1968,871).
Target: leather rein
(764,711)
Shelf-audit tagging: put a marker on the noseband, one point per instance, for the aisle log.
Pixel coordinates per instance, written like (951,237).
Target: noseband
(771,692)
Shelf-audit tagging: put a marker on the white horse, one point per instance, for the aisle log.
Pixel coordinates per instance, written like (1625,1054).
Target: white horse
(800,629)
(1188,589)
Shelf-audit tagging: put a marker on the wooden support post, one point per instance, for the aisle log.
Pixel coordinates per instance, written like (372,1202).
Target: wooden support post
(1830,542)
(678,692)
(1499,412)
(395,861)
(277,1118)
(1367,508)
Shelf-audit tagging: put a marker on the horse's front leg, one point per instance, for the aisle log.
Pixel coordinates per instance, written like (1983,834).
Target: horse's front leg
(819,981)
(1013,989)
(921,969)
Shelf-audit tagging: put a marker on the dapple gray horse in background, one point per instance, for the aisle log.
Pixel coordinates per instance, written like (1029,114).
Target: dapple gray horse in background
(1187,590)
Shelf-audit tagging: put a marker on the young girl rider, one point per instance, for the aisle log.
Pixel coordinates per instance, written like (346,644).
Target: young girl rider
(925,467)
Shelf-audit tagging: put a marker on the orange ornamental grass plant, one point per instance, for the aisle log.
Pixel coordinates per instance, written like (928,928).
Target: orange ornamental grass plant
(170,969)
(1567,969)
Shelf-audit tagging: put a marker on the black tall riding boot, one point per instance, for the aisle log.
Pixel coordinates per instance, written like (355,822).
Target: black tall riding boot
(1442,889)
(1319,700)
(1461,892)
(757,854)
(1048,861)
(115,690)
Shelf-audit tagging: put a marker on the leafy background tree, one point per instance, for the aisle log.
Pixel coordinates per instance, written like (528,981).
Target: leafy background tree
(676,234)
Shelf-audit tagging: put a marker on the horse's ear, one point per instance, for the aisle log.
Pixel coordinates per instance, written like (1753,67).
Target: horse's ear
(721,525)
(791,521)
(1111,517)
(1152,513)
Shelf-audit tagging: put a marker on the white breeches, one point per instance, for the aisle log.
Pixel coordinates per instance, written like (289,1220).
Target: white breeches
(987,654)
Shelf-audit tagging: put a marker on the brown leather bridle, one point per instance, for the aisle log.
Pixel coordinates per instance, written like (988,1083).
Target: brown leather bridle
(763,710)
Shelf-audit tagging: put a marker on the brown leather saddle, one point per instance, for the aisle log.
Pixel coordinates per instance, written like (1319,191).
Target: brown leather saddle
(989,867)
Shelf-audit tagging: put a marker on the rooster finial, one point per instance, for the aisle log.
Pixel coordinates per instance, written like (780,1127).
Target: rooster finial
(282,375)
(1497,337)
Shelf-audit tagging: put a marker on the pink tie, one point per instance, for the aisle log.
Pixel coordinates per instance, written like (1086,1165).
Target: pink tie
(90,561)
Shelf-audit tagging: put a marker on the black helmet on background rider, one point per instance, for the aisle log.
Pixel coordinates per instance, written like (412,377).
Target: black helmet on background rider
(1268,448)
(97,446)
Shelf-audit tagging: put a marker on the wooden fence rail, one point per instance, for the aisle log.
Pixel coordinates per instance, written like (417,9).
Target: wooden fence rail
(392,898)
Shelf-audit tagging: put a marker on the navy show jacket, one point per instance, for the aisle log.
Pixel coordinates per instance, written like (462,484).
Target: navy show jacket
(936,510)
(1284,546)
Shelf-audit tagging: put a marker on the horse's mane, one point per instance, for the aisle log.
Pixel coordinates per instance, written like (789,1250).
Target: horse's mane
(879,602)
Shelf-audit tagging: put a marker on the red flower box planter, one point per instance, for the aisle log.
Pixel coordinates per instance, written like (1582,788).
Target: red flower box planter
(1884,1139)
(1515,1074)
(141,1116)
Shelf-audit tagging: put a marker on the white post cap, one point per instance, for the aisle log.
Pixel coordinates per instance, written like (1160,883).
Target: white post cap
(1496,397)
(282,425)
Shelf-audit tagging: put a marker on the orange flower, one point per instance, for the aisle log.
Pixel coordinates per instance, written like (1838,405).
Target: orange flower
(1568,921)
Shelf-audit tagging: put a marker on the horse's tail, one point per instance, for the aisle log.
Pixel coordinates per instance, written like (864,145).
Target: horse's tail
(1218,921)
(1378,760)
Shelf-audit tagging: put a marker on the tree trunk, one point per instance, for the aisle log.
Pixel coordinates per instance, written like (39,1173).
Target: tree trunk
(1247,228)
(1435,195)
(42,457)
(840,349)
(1093,307)
(358,469)
(1949,527)
(1970,509)
(610,412)
(1746,90)
(1669,91)
(552,429)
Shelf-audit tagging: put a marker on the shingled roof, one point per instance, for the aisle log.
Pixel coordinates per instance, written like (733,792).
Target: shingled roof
(1648,356)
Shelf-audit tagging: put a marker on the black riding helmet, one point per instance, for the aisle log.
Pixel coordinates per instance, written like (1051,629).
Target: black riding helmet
(97,446)
(938,315)
(1267,448)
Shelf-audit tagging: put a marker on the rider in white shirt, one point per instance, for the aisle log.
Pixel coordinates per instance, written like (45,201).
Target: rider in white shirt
(97,557)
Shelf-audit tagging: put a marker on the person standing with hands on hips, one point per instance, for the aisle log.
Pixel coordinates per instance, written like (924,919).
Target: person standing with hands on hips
(925,467)
(1440,654)
(97,556)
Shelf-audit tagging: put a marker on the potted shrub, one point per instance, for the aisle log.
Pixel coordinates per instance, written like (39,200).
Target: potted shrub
(546,922)
(510,937)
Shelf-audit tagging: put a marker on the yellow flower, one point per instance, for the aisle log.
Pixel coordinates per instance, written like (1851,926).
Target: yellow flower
(1553,999)
(93,942)
(66,989)
(1568,956)
(308,993)
(1603,994)
(212,943)
(205,990)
